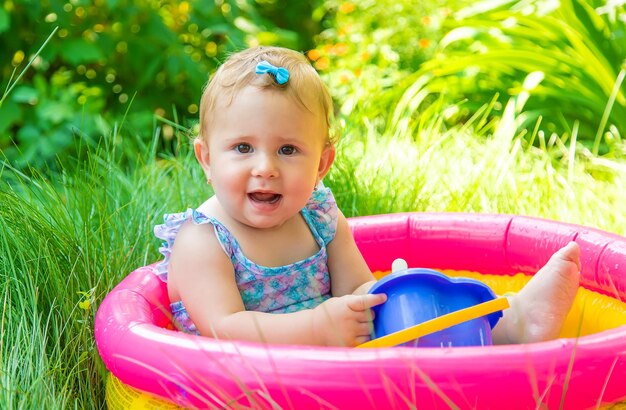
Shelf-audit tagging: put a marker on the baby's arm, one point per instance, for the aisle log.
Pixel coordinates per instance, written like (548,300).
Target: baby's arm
(348,271)
(203,277)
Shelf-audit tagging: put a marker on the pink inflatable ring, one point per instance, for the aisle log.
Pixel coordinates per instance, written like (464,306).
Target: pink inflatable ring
(137,344)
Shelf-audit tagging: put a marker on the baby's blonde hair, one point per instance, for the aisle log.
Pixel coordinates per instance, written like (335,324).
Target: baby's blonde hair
(305,86)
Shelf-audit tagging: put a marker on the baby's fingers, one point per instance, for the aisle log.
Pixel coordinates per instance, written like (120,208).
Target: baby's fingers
(362,332)
(360,340)
(359,303)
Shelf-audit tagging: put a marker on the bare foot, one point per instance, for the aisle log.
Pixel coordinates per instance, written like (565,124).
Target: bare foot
(538,310)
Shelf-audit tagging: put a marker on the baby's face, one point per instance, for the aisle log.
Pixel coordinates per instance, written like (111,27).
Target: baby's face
(266,153)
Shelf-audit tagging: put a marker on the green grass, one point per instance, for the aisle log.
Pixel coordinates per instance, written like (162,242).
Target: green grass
(475,168)
(64,243)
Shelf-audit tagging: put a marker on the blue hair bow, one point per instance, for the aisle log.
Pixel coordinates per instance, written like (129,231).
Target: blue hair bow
(280,73)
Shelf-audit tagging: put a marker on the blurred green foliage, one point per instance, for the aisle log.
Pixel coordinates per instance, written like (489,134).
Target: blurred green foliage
(137,63)
(369,46)
(140,66)
(555,68)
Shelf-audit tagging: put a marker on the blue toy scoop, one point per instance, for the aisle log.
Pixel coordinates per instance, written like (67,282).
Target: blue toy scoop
(416,296)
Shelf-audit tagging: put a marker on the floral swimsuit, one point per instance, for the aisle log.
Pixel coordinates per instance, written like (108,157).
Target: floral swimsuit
(300,285)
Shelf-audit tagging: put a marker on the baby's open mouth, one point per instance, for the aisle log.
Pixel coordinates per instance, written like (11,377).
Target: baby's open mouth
(268,198)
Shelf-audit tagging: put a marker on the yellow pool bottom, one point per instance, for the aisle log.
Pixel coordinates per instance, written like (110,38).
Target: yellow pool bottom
(591,313)
(120,396)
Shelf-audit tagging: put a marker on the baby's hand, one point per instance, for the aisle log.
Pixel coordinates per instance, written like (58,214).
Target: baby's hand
(346,320)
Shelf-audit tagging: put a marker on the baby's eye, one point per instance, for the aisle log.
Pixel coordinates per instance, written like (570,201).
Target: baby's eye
(287,150)
(243,148)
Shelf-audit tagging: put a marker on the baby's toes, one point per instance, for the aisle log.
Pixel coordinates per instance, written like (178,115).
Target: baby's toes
(570,253)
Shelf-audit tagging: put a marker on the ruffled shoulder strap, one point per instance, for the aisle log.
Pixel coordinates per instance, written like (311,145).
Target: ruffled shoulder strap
(321,213)
(172,224)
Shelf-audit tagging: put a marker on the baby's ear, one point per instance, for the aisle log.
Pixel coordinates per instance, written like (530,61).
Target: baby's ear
(201,149)
(326,160)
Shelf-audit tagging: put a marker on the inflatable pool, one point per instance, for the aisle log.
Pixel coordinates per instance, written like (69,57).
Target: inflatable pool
(585,368)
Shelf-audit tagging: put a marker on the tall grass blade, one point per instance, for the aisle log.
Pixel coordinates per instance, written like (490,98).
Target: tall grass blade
(10,85)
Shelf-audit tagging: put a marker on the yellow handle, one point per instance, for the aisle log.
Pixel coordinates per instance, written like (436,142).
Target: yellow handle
(439,323)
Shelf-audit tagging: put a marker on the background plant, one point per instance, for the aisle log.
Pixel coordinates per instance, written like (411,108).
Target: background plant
(369,47)
(562,64)
(131,62)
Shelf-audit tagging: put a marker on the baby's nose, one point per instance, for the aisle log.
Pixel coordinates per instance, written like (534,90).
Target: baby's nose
(265,167)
